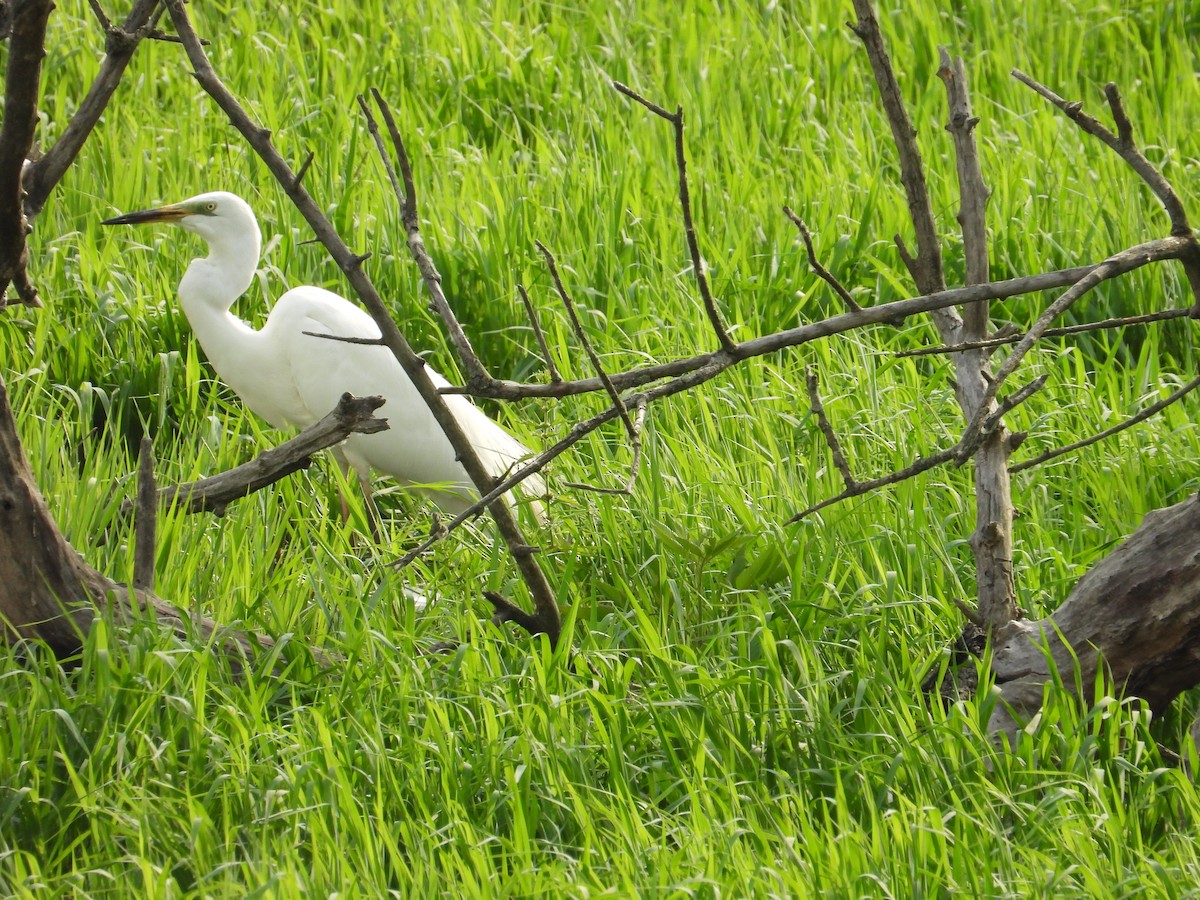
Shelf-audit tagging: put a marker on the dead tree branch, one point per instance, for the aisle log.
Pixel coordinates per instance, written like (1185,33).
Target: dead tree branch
(999,340)
(1123,145)
(1142,416)
(43,175)
(825,275)
(146,519)
(831,438)
(551,368)
(352,415)
(685,203)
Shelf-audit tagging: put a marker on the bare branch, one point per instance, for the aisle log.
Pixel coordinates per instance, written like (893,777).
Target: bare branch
(44,174)
(22,79)
(1142,416)
(352,415)
(475,371)
(146,519)
(972,212)
(551,368)
(927,270)
(635,463)
(924,464)
(831,438)
(569,304)
(825,275)
(1001,339)
(685,203)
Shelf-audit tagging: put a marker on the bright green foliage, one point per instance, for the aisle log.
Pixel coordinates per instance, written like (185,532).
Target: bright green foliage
(738,710)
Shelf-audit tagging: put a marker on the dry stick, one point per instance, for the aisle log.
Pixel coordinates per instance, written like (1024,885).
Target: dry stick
(685,202)
(927,266)
(577,325)
(991,540)
(1123,145)
(893,313)
(999,340)
(825,275)
(476,373)
(146,519)
(635,463)
(1109,432)
(1125,261)
(43,175)
(352,415)
(831,438)
(546,619)
(973,192)
(551,368)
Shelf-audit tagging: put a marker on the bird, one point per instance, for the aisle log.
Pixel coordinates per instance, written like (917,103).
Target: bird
(292,377)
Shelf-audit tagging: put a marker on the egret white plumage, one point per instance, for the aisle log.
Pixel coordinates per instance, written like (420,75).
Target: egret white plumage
(293,379)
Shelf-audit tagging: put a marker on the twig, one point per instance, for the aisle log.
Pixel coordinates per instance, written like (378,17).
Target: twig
(352,415)
(1123,145)
(43,175)
(635,464)
(1012,401)
(1118,264)
(928,262)
(924,464)
(1109,432)
(303,170)
(551,368)
(828,277)
(473,367)
(146,519)
(569,305)
(973,193)
(999,339)
(685,203)
(831,438)
(101,16)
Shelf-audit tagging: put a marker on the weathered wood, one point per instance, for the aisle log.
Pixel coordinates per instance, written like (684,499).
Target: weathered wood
(1137,613)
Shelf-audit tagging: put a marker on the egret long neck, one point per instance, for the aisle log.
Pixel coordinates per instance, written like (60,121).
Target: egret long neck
(209,288)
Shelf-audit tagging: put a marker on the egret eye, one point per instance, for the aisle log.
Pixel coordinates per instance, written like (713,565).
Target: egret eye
(211,206)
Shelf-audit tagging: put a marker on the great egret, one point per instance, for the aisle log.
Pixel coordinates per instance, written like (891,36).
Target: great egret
(293,379)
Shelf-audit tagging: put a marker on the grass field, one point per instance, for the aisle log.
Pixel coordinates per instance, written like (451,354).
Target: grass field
(737,710)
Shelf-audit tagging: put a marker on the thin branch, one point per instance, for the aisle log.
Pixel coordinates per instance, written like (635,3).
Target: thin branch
(928,263)
(473,367)
(352,415)
(635,464)
(828,277)
(831,438)
(998,340)
(303,170)
(569,304)
(973,192)
(924,464)
(44,174)
(551,368)
(893,313)
(145,520)
(685,203)
(1109,432)
(1118,264)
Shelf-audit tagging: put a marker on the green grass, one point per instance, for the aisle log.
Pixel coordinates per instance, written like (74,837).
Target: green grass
(738,711)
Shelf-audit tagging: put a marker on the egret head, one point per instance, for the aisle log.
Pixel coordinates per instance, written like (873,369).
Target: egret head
(214,216)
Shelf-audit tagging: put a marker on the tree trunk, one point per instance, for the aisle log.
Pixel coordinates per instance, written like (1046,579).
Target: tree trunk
(1137,613)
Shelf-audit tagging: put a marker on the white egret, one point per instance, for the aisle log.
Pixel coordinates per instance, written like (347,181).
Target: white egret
(293,379)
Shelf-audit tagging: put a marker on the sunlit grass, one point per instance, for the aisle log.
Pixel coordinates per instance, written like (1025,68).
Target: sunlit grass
(737,712)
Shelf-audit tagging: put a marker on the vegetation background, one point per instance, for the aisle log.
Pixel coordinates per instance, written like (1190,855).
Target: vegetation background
(740,711)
